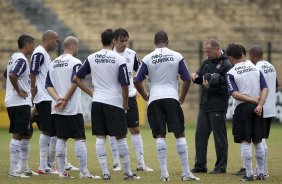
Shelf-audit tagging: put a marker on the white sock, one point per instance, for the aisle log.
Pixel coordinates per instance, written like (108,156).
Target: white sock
(15,147)
(265,155)
(161,148)
(114,150)
(44,141)
(25,149)
(182,150)
(52,150)
(246,153)
(81,154)
(102,154)
(124,155)
(60,154)
(260,157)
(138,147)
(66,153)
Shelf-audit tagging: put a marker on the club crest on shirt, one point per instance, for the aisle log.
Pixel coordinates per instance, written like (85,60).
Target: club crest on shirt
(218,66)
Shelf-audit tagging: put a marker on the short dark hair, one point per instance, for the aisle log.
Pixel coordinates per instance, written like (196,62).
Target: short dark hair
(121,32)
(234,50)
(107,37)
(24,39)
(161,37)
(256,50)
(243,50)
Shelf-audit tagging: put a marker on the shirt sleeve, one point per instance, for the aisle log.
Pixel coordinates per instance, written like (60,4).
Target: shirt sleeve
(48,82)
(37,61)
(5,73)
(136,63)
(123,75)
(19,67)
(183,71)
(262,81)
(74,70)
(84,70)
(231,84)
(141,72)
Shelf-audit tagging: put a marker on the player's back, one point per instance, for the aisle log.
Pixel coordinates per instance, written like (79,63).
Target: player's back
(163,66)
(61,72)
(105,67)
(269,73)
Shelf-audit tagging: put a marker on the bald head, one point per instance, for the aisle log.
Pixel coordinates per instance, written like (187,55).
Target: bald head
(71,45)
(70,41)
(50,40)
(49,34)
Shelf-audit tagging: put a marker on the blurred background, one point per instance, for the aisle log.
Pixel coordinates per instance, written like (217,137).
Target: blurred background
(188,24)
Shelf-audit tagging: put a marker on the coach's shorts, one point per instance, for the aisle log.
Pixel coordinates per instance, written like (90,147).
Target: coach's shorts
(165,112)
(20,120)
(247,126)
(132,115)
(69,126)
(267,125)
(108,120)
(45,119)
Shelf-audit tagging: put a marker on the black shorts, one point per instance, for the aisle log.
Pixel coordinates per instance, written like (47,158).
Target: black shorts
(45,119)
(267,125)
(20,120)
(69,126)
(247,126)
(165,112)
(108,120)
(132,115)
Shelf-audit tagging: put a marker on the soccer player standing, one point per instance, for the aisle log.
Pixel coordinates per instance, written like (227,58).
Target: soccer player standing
(162,67)
(269,107)
(247,86)
(109,101)
(132,116)
(68,120)
(18,103)
(40,62)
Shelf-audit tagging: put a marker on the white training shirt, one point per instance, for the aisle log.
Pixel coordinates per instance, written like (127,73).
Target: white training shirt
(269,73)
(40,61)
(162,67)
(245,78)
(18,65)
(59,76)
(132,64)
(109,72)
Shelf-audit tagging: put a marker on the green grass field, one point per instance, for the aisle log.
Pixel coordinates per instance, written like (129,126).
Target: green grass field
(234,161)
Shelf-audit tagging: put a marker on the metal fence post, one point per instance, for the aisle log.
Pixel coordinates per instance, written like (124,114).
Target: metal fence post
(269,51)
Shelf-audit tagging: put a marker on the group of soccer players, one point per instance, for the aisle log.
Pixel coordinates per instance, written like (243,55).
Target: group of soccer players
(54,89)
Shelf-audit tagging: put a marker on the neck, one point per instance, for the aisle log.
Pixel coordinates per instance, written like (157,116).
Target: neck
(161,45)
(109,47)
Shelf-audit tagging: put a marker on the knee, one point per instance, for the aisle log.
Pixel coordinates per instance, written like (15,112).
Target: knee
(135,130)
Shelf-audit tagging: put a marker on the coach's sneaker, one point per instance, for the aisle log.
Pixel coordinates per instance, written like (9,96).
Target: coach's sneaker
(144,168)
(190,177)
(246,178)
(242,171)
(116,167)
(65,175)
(70,167)
(17,175)
(29,172)
(164,179)
(88,175)
(106,176)
(132,177)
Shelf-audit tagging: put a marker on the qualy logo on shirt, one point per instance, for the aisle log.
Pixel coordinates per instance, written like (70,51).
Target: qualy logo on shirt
(100,58)
(160,58)
(245,69)
(267,69)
